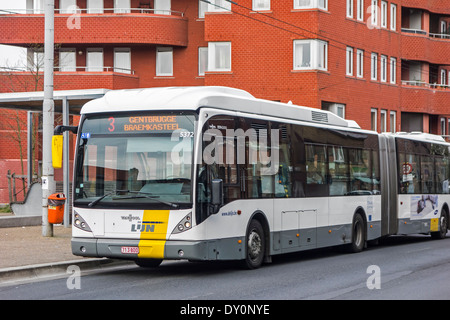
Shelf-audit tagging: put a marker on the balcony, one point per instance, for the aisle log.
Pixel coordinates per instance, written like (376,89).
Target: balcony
(113,26)
(423,97)
(106,78)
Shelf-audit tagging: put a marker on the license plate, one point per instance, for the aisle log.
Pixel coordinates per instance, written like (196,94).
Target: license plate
(129,250)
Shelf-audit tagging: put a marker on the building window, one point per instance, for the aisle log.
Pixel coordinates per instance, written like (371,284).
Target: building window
(373,119)
(307,4)
(219,56)
(393,70)
(349,55)
(373,66)
(67,6)
(219,6)
(360,10)
(122,6)
(443,126)
(384,7)
(349,8)
(162,7)
(94,61)
(383,68)
(164,61)
(383,120)
(202,60)
(95,6)
(336,108)
(374,13)
(261,5)
(360,63)
(310,54)
(393,17)
(393,121)
(443,74)
(67,60)
(122,60)
(202,8)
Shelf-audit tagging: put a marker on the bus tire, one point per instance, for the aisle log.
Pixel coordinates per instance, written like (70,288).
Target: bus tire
(148,263)
(443,226)
(358,234)
(255,245)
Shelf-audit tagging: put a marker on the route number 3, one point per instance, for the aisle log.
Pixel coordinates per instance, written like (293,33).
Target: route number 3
(111,124)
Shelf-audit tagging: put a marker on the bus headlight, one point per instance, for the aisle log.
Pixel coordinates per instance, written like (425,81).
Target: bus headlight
(80,223)
(184,225)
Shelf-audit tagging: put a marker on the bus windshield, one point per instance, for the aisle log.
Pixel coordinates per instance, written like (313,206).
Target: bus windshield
(135,160)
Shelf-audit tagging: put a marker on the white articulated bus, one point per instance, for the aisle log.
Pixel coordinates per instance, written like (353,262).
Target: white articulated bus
(212,173)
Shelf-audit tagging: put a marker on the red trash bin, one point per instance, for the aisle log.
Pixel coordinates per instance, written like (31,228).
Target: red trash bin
(56,208)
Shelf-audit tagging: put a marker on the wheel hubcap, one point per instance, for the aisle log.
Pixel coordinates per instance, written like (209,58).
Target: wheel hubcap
(254,245)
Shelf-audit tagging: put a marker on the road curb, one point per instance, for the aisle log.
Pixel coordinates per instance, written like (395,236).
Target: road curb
(34,272)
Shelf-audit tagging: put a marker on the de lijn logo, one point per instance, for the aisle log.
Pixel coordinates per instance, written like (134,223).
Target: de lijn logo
(145,226)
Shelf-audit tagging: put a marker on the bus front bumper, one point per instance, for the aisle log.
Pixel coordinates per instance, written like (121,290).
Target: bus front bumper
(224,249)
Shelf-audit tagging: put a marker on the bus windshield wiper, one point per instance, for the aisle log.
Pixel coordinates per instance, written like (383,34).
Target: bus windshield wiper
(144,195)
(93,203)
(150,196)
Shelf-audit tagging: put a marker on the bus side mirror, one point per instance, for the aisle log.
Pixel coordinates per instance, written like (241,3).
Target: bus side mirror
(57,151)
(216,194)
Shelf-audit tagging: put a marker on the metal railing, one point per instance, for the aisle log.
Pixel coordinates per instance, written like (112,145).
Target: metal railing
(70,69)
(440,35)
(415,31)
(96,11)
(423,84)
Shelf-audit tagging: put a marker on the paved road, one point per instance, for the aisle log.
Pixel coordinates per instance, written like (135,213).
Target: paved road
(413,267)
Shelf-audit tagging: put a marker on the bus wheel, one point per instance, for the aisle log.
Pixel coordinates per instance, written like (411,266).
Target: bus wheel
(358,234)
(148,263)
(255,245)
(443,226)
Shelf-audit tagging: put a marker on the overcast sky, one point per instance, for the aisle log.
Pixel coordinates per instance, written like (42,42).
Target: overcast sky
(11,56)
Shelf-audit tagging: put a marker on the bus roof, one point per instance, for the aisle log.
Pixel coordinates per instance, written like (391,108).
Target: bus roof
(193,98)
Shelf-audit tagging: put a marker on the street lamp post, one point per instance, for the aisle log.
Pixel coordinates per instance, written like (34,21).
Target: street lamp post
(48,180)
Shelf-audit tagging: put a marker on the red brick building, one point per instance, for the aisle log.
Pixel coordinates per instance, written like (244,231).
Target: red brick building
(383,63)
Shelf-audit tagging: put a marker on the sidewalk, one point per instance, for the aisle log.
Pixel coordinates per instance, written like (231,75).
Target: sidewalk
(25,253)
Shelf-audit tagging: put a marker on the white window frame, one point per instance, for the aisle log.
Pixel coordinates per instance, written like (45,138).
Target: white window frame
(213,55)
(383,121)
(374,66)
(374,119)
(202,60)
(360,63)
(260,5)
(161,54)
(393,17)
(320,4)
(393,74)
(219,6)
(349,10)
(125,68)
(67,60)
(349,61)
(374,13)
(360,10)
(318,54)
(384,13)
(162,7)
(202,8)
(383,68)
(122,8)
(67,6)
(96,67)
(95,6)
(393,121)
